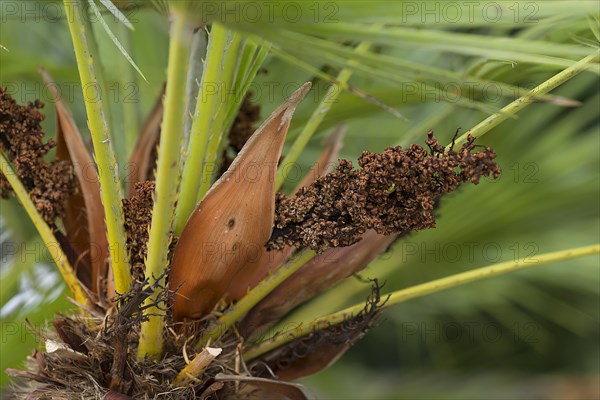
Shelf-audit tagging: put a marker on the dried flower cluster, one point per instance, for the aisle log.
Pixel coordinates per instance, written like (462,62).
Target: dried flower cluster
(393,192)
(137,212)
(21,137)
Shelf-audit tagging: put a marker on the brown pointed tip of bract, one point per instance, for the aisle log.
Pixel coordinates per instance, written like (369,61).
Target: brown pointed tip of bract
(233,222)
(298,95)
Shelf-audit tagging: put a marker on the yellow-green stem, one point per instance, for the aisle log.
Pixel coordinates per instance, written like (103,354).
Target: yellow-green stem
(514,107)
(131,111)
(251,62)
(315,120)
(218,126)
(167,177)
(101,138)
(247,56)
(423,289)
(206,102)
(45,232)
(255,295)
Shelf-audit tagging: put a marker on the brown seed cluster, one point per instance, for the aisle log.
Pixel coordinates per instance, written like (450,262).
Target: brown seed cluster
(393,192)
(137,212)
(21,138)
(138,215)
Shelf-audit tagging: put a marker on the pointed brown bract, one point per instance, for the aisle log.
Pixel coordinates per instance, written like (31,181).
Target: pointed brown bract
(320,358)
(317,276)
(84,217)
(269,260)
(307,355)
(231,225)
(143,158)
(270,390)
(294,362)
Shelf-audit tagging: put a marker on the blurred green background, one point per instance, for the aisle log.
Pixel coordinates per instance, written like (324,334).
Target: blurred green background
(531,334)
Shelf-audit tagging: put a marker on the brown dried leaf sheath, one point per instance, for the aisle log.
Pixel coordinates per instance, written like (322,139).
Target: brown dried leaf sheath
(228,228)
(249,278)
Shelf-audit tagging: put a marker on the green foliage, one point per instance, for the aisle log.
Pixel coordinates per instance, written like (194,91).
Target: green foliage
(30,294)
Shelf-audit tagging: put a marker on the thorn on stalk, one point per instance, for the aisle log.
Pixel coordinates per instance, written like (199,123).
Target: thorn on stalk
(130,312)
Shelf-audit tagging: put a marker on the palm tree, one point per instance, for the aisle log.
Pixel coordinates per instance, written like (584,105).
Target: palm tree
(193,274)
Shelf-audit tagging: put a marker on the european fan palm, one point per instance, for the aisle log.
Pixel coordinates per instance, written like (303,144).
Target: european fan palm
(186,284)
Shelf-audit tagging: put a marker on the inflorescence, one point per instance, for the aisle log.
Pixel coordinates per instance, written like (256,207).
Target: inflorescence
(393,192)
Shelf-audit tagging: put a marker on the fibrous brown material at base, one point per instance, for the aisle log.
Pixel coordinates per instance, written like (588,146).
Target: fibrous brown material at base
(66,374)
(81,353)
(62,373)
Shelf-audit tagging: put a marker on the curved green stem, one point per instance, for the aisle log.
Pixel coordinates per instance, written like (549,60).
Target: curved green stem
(45,232)
(167,177)
(131,110)
(252,59)
(206,104)
(514,107)
(423,289)
(254,296)
(230,62)
(247,56)
(104,154)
